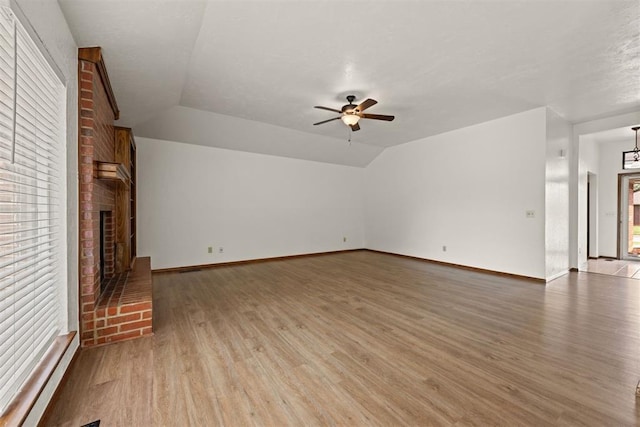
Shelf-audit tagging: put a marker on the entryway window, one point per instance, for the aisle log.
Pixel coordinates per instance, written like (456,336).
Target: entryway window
(32,206)
(629,230)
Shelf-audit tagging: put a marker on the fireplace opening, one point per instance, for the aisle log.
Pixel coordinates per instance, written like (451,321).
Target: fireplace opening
(103,249)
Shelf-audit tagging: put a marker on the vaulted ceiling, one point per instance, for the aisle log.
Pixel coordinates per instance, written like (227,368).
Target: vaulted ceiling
(435,65)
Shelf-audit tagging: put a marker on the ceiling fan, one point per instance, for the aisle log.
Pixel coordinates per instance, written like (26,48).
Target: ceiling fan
(351,113)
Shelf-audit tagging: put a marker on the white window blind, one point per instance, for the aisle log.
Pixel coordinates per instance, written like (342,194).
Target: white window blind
(32,167)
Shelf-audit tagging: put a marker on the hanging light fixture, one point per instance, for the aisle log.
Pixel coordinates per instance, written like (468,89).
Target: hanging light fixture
(631,159)
(636,151)
(350,119)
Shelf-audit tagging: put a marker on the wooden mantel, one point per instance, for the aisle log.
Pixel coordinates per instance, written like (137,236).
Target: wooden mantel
(111,171)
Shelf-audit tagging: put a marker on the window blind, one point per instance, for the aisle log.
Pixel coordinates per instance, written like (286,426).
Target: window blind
(32,166)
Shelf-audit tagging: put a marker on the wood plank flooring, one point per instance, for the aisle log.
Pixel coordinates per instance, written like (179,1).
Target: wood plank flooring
(363,338)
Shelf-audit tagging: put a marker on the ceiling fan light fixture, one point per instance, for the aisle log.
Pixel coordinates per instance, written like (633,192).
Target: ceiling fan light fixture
(350,119)
(351,114)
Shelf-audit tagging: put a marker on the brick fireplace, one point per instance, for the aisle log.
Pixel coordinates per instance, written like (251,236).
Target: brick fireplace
(116,296)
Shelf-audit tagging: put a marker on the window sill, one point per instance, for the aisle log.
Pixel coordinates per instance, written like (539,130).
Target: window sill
(19,408)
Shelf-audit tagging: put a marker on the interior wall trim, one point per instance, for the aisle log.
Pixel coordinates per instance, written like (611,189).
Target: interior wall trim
(466,267)
(247,261)
(281,258)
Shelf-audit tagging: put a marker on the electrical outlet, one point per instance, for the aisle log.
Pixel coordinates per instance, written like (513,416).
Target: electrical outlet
(220,250)
(210,249)
(444,249)
(530,214)
(344,239)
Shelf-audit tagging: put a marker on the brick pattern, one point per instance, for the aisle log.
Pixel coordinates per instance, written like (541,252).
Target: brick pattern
(96,143)
(125,310)
(121,310)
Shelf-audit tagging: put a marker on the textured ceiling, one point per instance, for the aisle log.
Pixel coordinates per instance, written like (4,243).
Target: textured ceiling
(147,47)
(613,135)
(435,65)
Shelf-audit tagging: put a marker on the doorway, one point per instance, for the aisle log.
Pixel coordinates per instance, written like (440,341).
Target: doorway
(629,217)
(592,228)
(589,201)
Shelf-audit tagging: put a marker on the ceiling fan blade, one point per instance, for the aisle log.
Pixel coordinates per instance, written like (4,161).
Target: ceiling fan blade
(328,109)
(355,127)
(325,121)
(366,104)
(377,117)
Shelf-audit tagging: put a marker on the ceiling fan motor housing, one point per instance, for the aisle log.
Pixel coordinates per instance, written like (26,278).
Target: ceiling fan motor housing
(350,108)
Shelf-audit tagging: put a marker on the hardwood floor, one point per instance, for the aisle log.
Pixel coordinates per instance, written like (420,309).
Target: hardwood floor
(363,338)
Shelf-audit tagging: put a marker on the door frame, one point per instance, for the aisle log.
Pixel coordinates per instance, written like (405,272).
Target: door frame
(589,219)
(621,177)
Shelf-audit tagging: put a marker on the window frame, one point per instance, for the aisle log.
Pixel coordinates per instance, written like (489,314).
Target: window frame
(42,367)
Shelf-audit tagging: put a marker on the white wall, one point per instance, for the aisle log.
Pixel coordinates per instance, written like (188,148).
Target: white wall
(559,133)
(588,173)
(253,205)
(209,129)
(46,19)
(468,189)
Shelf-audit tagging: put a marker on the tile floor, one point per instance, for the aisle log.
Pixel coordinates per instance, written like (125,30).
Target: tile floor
(614,267)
